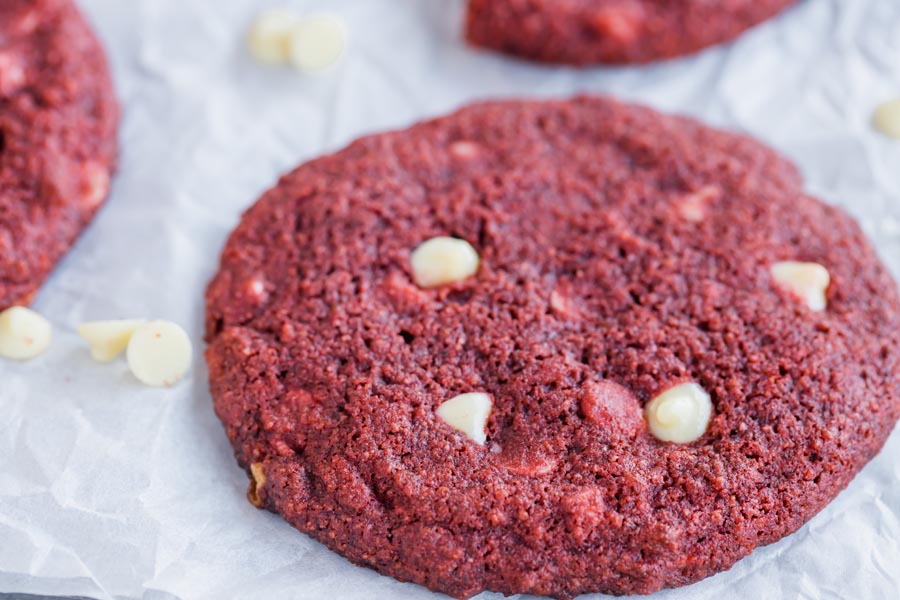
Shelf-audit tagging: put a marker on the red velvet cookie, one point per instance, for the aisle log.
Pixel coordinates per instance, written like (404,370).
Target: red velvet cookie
(585,32)
(58,119)
(618,254)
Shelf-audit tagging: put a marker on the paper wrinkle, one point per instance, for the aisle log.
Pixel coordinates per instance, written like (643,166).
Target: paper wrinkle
(118,491)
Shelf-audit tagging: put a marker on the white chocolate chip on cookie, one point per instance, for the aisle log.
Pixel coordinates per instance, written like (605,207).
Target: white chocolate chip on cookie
(468,414)
(886,118)
(443,260)
(680,414)
(269,38)
(807,280)
(24,334)
(108,339)
(317,42)
(159,353)
(12,73)
(257,481)
(464,150)
(94,186)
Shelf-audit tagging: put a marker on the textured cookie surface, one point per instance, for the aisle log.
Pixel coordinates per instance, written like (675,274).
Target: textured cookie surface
(58,118)
(622,252)
(584,32)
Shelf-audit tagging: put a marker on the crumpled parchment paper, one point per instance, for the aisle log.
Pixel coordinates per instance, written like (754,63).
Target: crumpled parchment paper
(113,490)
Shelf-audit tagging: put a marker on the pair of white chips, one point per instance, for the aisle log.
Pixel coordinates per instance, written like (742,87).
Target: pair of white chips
(158,352)
(680,414)
(311,43)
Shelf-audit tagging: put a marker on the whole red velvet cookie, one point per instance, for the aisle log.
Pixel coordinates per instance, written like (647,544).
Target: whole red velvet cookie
(58,118)
(455,353)
(584,32)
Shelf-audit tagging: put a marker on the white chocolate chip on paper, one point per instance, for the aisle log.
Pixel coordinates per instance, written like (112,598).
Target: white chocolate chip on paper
(680,414)
(317,42)
(159,353)
(886,118)
(443,260)
(468,414)
(24,334)
(268,40)
(807,280)
(108,339)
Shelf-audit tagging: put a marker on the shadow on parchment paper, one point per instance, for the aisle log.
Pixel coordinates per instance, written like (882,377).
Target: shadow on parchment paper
(30,597)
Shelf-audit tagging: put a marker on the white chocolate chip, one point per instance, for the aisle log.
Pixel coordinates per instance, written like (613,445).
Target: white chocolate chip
(680,414)
(317,42)
(443,260)
(256,287)
(468,414)
(257,481)
(24,334)
(159,353)
(269,38)
(94,186)
(464,150)
(108,339)
(886,118)
(693,206)
(12,73)
(807,280)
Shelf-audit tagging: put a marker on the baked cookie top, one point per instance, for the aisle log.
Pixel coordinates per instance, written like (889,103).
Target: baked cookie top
(58,119)
(604,259)
(585,32)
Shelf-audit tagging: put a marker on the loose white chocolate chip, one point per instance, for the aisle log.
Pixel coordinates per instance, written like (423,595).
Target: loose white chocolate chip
(886,118)
(269,38)
(443,260)
(807,280)
(468,414)
(108,339)
(159,353)
(317,42)
(24,334)
(680,414)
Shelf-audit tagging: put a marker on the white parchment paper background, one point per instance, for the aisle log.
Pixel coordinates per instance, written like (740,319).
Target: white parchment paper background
(113,490)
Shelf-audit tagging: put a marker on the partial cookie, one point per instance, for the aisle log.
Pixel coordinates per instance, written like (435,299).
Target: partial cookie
(551,348)
(58,119)
(585,32)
